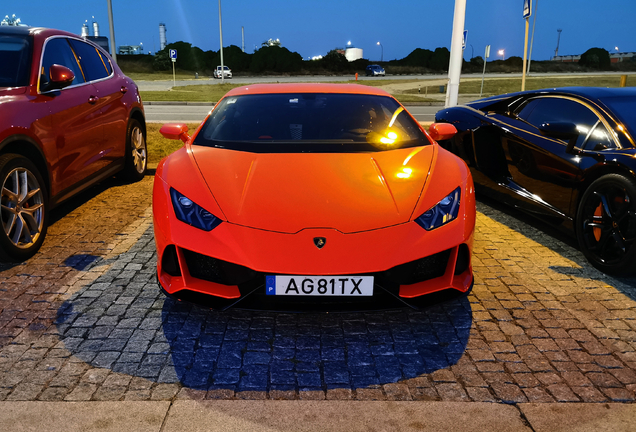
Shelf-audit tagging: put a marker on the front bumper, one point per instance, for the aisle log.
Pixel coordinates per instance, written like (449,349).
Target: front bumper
(231,261)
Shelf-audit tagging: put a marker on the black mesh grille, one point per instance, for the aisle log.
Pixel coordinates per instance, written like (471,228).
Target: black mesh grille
(217,271)
(419,270)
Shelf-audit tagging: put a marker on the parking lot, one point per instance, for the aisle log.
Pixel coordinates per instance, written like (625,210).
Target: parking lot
(85,320)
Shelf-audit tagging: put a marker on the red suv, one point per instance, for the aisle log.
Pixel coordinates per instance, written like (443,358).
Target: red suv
(69,118)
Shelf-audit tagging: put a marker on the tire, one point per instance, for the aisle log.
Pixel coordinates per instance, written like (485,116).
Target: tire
(136,152)
(606,224)
(24,208)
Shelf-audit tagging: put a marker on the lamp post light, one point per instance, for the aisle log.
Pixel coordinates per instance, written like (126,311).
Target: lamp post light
(501,53)
(381,51)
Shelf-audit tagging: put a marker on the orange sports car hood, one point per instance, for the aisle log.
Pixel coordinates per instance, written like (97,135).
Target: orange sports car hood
(285,192)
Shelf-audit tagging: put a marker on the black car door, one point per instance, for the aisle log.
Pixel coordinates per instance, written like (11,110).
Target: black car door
(542,173)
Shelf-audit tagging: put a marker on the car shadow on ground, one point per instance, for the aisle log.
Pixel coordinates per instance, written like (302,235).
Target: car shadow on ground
(556,240)
(132,328)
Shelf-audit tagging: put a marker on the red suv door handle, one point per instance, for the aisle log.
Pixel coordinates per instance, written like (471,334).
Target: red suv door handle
(93,100)
(124,89)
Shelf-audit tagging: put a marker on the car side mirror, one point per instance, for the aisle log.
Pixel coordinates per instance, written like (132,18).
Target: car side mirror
(175,131)
(59,77)
(561,130)
(441,131)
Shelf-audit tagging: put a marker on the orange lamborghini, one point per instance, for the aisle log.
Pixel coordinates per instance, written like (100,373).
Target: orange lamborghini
(312,193)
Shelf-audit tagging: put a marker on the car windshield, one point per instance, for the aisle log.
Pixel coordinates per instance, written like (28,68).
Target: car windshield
(310,122)
(15,60)
(623,108)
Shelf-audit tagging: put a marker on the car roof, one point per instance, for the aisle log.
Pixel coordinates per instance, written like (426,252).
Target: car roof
(594,93)
(307,88)
(35,31)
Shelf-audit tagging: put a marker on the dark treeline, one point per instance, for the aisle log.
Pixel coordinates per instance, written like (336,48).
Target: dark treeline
(279,60)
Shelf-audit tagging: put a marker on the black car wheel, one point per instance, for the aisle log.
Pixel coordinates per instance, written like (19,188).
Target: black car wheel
(24,208)
(606,224)
(136,152)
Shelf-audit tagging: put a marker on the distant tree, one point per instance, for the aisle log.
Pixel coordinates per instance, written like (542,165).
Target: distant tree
(162,60)
(514,62)
(334,61)
(596,58)
(234,58)
(418,57)
(275,59)
(439,60)
(477,61)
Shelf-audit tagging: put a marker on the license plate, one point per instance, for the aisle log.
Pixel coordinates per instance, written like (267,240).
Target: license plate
(319,285)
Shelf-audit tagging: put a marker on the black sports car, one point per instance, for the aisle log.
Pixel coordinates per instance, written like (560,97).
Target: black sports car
(567,155)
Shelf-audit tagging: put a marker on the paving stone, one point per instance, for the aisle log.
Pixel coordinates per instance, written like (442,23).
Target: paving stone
(562,393)
(508,393)
(85,320)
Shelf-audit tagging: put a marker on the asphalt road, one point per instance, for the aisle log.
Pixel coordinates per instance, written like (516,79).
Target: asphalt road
(166,85)
(196,113)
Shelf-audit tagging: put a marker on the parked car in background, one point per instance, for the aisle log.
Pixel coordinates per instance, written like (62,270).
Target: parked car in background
(227,72)
(296,193)
(566,155)
(375,70)
(68,118)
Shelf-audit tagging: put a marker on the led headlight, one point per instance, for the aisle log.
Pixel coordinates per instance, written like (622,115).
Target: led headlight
(443,212)
(191,213)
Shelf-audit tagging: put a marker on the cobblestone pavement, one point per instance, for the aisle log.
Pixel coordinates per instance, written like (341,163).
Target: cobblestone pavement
(85,320)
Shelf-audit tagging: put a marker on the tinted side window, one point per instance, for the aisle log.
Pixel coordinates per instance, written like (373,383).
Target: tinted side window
(15,60)
(91,62)
(58,51)
(551,109)
(599,139)
(106,62)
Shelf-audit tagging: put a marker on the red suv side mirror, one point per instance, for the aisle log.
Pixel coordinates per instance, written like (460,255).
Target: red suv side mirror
(59,77)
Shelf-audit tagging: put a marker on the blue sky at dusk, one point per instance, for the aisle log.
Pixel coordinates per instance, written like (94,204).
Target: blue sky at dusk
(315,27)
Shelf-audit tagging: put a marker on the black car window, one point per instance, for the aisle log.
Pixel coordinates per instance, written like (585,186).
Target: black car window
(58,51)
(598,139)
(310,122)
(525,110)
(556,109)
(90,60)
(15,60)
(623,108)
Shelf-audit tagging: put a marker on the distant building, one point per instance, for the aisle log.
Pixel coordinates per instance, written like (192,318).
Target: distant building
(102,41)
(130,49)
(353,54)
(614,57)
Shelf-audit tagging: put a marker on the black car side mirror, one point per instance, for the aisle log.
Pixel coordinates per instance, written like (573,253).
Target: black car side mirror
(561,130)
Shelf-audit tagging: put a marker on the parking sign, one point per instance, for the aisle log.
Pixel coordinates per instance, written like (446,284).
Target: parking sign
(173,54)
(527,8)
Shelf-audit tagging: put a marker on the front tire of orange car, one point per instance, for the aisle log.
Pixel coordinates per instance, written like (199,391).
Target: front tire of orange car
(136,152)
(24,208)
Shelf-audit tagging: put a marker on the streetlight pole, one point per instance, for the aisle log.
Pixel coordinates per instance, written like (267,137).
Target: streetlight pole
(221,43)
(456,54)
(111,25)
(556,51)
(381,51)
(534,21)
